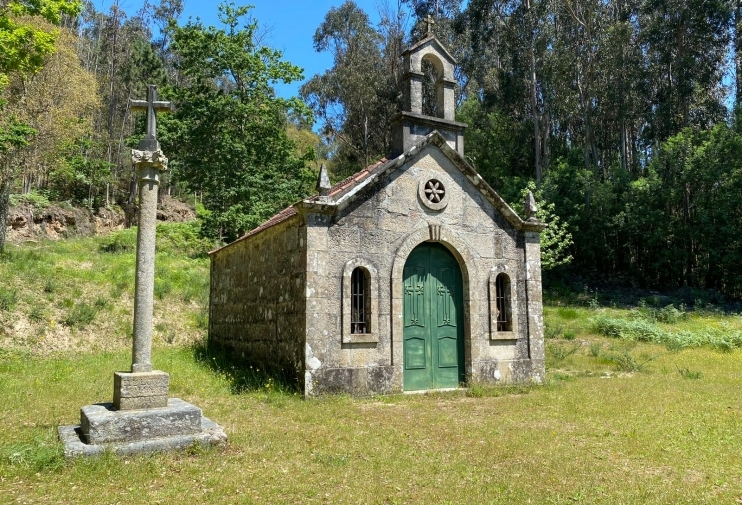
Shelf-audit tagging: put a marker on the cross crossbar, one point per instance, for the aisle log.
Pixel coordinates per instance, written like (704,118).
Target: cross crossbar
(430,21)
(152,106)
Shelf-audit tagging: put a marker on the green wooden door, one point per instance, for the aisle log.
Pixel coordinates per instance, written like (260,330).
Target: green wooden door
(433,319)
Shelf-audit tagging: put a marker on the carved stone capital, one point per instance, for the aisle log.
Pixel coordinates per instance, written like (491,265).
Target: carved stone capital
(149,159)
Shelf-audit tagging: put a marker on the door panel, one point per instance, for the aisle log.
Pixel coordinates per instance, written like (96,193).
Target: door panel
(414,353)
(433,307)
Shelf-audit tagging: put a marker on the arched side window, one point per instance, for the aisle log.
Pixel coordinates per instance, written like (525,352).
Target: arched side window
(360,303)
(503,305)
(503,300)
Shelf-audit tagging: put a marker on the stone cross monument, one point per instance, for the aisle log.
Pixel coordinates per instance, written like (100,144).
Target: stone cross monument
(149,162)
(142,418)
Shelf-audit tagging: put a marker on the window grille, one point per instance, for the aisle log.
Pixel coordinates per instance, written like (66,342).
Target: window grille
(358,302)
(502,301)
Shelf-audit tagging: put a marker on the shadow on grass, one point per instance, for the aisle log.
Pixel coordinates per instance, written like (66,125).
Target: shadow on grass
(244,376)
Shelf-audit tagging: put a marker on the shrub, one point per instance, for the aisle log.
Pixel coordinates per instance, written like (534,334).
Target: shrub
(8,298)
(80,315)
(33,198)
(625,362)
(559,352)
(182,238)
(567,313)
(553,331)
(723,339)
(595,349)
(569,334)
(120,242)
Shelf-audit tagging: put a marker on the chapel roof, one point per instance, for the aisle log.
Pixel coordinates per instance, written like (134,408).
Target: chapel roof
(345,191)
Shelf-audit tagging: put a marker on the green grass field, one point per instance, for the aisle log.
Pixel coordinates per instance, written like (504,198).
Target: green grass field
(623,419)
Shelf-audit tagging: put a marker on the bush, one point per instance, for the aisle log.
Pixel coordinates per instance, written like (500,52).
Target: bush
(559,352)
(625,362)
(553,331)
(33,198)
(8,298)
(182,238)
(80,315)
(723,339)
(120,242)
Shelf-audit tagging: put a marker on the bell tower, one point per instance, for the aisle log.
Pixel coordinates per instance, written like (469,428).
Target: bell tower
(411,125)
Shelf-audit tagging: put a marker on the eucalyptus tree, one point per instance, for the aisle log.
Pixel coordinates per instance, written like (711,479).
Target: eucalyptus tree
(356,98)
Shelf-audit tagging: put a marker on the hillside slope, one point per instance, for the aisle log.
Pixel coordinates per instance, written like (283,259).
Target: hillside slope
(76,294)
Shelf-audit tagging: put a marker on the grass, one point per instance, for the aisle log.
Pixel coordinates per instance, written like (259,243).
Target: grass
(78,293)
(620,420)
(661,438)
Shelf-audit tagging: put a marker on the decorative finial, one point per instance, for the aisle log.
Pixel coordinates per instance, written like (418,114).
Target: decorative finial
(430,21)
(323,181)
(530,206)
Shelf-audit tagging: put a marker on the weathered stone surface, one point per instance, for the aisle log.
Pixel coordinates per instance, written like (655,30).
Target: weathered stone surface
(374,220)
(101,424)
(210,434)
(140,390)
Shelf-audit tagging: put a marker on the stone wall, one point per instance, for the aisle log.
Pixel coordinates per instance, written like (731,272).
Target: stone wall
(380,228)
(257,302)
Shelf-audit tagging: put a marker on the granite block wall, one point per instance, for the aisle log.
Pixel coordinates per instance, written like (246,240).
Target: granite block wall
(258,302)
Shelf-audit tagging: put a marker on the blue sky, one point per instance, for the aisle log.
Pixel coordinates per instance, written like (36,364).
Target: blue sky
(291,25)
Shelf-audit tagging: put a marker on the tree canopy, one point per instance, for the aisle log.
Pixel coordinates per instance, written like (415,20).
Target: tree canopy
(229,130)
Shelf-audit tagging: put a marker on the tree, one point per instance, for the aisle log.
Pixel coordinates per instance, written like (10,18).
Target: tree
(556,240)
(24,46)
(228,136)
(356,98)
(58,103)
(24,49)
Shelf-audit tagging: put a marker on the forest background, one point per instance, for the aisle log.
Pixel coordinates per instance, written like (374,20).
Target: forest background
(621,116)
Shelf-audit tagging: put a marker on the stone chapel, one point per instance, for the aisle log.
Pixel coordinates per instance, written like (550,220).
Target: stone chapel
(412,274)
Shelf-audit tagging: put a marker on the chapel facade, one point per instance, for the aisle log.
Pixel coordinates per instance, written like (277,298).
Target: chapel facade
(413,274)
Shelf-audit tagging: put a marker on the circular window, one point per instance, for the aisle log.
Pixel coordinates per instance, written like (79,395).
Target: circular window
(433,194)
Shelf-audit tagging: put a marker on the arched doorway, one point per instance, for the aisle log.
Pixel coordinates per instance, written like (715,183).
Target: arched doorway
(433,334)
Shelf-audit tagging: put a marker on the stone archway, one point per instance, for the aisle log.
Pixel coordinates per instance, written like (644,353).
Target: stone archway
(465,258)
(433,315)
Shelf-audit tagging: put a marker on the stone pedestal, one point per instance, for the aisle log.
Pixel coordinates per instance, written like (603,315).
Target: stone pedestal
(177,425)
(140,390)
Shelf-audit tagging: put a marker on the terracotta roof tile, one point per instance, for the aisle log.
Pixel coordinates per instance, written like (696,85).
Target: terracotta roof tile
(288,212)
(353,180)
(282,216)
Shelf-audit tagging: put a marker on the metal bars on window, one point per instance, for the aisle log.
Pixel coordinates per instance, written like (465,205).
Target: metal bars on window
(358,302)
(502,301)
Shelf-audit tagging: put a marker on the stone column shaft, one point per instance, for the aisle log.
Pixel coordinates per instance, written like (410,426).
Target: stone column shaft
(149,165)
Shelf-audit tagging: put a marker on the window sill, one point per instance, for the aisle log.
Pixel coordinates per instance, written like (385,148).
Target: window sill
(503,335)
(360,338)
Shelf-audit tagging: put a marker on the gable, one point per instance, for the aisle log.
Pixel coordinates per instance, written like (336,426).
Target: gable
(374,178)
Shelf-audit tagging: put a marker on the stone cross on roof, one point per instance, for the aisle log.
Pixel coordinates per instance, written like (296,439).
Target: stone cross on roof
(430,21)
(151,105)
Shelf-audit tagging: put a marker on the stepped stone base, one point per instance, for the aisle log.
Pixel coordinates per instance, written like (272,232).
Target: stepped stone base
(177,426)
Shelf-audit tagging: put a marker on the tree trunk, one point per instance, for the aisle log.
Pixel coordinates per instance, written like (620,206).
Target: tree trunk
(738,51)
(534,97)
(4,210)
